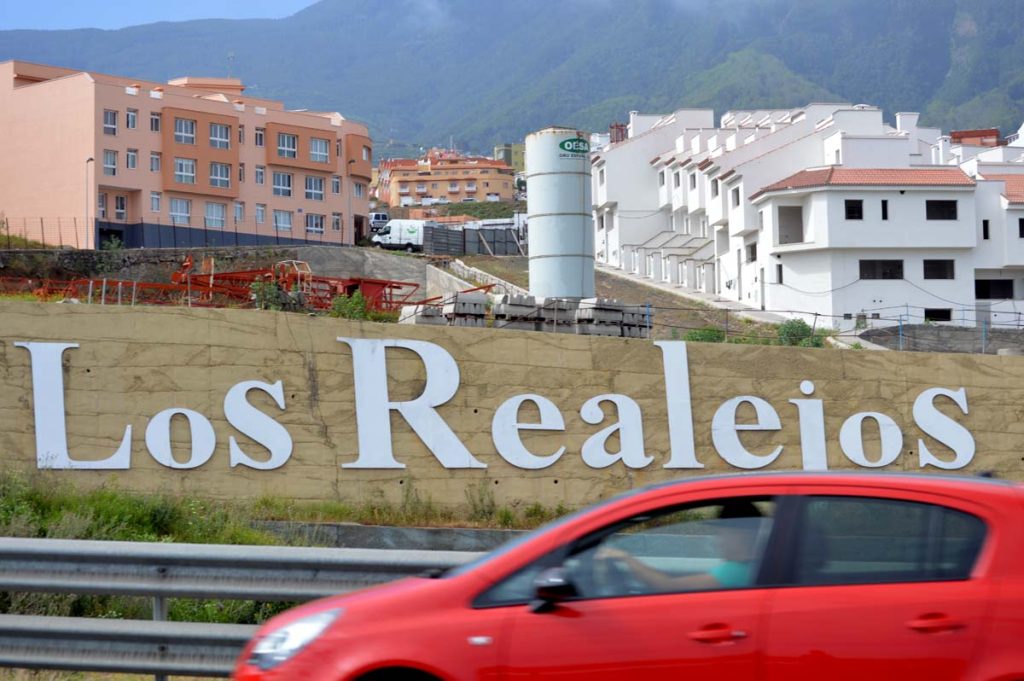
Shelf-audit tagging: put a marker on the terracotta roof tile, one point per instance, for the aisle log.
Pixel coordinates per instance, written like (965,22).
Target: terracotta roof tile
(705,164)
(1014,191)
(871,177)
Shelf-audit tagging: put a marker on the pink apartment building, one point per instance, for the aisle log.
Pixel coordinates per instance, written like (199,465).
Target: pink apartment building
(88,157)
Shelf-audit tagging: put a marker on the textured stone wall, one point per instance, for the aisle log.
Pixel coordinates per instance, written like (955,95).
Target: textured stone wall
(134,363)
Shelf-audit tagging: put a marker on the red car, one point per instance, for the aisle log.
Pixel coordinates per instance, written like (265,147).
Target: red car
(756,576)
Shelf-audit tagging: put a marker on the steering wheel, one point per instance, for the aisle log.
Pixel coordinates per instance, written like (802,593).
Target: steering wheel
(613,577)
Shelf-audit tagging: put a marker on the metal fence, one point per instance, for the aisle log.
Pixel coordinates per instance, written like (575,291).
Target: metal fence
(163,571)
(482,241)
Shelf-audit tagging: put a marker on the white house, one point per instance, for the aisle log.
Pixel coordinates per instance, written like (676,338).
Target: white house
(827,213)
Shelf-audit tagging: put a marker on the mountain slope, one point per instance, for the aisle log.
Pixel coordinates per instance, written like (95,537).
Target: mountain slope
(419,71)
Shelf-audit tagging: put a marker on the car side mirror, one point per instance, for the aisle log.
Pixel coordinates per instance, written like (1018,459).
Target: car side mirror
(552,586)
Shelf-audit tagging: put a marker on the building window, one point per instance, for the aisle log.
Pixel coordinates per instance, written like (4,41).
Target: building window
(693,180)
(885,209)
(220,136)
(287,145)
(241,172)
(314,188)
(778,273)
(1020,227)
(216,215)
(940,210)
(282,221)
(984,229)
(131,159)
(360,189)
(261,172)
(154,121)
(154,161)
(452,187)
(241,134)
(181,211)
(220,175)
(154,202)
(261,213)
(677,180)
(131,119)
(314,223)
(938,269)
(661,178)
(319,150)
(120,207)
(735,197)
(185,170)
(714,188)
(600,177)
(335,184)
(881,269)
(239,211)
(993,289)
(184,131)
(101,206)
(336,222)
(366,153)
(854,210)
(258,137)
(752,252)
(109,162)
(938,314)
(282,184)
(109,122)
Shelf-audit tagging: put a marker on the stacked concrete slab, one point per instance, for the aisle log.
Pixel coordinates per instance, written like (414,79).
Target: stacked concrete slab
(635,321)
(516,312)
(557,315)
(429,315)
(599,317)
(466,309)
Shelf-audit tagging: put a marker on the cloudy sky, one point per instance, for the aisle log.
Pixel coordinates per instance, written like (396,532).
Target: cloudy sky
(58,14)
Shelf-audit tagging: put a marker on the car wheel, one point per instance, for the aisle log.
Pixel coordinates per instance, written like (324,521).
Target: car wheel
(398,675)
(409,248)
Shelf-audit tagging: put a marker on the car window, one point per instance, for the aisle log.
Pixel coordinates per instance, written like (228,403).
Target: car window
(712,546)
(855,540)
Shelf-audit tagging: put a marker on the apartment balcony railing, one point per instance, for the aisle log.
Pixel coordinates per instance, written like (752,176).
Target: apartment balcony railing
(403,190)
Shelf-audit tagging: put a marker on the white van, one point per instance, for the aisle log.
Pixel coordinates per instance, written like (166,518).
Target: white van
(404,235)
(378,220)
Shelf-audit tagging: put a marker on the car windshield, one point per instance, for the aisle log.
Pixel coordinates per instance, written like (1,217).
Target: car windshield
(524,538)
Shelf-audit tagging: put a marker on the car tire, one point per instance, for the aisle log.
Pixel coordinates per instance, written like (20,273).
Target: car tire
(409,248)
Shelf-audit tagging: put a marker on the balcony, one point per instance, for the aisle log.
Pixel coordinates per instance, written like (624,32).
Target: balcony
(421,189)
(403,190)
(470,187)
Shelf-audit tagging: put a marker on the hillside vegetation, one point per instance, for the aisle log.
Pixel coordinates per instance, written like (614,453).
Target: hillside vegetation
(419,71)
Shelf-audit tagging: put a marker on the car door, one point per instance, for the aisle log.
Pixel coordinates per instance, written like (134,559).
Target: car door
(621,625)
(879,588)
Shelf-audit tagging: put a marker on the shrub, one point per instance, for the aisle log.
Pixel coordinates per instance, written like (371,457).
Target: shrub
(794,332)
(708,334)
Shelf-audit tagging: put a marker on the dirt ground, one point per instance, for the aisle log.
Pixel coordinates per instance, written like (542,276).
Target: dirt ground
(672,315)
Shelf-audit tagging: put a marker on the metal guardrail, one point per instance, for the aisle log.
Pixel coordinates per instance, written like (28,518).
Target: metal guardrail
(162,571)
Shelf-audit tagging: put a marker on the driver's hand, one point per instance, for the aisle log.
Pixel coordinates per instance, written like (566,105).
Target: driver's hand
(606,552)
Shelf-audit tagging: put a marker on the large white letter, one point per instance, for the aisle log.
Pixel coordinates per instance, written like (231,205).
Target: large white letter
(851,439)
(724,432)
(158,438)
(812,430)
(505,429)
(630,427)
(257,425)
(944,429)
(373,407)
(677,398)
(48,406)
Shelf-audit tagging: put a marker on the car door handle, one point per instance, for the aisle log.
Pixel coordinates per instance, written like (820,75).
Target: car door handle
(717,633)
(934,623)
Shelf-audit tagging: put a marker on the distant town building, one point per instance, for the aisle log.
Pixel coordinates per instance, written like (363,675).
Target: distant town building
(824,212)
(443,176)
(513,155)
(90,157)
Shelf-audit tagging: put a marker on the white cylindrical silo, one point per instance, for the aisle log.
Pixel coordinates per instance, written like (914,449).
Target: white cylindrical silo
(561,235)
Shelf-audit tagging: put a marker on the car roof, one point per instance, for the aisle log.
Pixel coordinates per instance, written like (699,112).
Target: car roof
(916,481)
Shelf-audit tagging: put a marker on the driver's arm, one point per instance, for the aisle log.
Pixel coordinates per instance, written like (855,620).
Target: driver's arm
(656,579)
